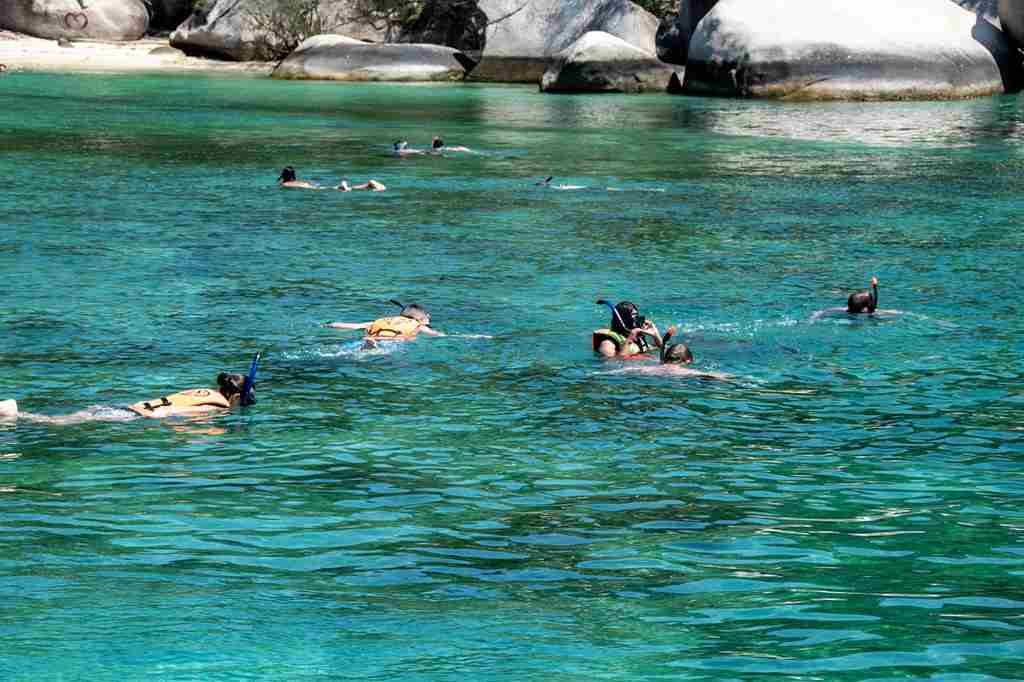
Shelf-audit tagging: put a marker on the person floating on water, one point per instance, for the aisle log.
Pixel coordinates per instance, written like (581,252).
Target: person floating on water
(232,390)
(546,182)
(863,301)
(629,333)
(370,185)
(405,326)
(438,146)
(3,68)
(673,360)
(402,148)
(290,180)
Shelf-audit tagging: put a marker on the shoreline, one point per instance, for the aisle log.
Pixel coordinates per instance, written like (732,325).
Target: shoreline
(23,53)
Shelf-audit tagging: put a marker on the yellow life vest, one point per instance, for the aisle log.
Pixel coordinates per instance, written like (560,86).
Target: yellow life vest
(619,340)
(394,327)
(196,397)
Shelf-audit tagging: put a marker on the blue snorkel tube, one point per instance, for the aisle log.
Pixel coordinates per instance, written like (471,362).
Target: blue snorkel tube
(247,395)
(614,310)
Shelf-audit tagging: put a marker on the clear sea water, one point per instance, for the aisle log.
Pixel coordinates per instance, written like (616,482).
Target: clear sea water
(848,506)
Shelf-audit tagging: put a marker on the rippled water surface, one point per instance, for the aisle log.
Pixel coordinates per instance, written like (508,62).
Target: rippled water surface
(846,506)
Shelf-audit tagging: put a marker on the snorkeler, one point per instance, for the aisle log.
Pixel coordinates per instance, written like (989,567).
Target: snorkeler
(628,333)
(371,185)
(402,148)
(863,301)
(289,179)
(403,327)
(232,390)
(438,146)
(546,182)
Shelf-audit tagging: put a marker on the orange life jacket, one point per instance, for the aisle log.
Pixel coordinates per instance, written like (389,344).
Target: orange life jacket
(196,397)
(394,327)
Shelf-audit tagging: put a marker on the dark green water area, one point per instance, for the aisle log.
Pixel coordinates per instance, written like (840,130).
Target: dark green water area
(846,506)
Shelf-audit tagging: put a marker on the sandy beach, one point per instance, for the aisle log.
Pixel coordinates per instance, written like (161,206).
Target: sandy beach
(25,53)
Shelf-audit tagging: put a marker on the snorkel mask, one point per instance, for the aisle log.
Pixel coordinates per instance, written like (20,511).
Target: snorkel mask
(413,312)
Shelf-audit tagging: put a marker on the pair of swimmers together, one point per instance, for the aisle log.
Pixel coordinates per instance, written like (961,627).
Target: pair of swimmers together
(437,146)
(289,179)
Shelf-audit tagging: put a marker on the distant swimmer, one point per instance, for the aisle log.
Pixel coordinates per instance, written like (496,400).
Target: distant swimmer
(864,301)
(402,148)
(546,182)
(405,326)
(3,68)
(369,185)
(232,390)
(438,146)
(290,180)
(628,334)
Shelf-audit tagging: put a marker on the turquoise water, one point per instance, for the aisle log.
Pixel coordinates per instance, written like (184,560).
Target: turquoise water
(847,506)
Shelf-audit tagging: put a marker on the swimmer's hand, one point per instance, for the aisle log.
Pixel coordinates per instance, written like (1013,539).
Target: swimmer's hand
(874,281)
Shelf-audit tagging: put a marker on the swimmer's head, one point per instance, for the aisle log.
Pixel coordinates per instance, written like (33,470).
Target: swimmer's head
(626,318)
(677,354)
(231,385)
(3,67)
(437,142)
(287,174)
(400,145)
(413,312)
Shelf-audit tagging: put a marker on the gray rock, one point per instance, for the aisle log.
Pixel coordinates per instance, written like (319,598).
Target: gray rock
(523,36)
(340,58)
(871,49)
(673,38)
(600,62)
(75,19)
(225,29)
(1011,16)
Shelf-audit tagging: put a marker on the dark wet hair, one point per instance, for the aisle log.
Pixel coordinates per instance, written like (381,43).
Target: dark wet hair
(415,312)
(230,384)
(287,174)
(438,143)
(626,318)
(677,353)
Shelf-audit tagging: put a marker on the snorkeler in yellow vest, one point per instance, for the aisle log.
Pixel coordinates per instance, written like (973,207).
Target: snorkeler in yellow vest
(629,333)
(232,390)
(413,320)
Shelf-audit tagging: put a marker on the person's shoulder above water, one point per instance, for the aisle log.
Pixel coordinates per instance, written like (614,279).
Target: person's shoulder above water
(289,179)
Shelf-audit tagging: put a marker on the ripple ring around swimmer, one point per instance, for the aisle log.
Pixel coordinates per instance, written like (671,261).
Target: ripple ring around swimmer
(76,21)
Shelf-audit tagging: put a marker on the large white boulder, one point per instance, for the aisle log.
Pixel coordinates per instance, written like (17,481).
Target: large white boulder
(89,19)
(523,36)
(341,58)
(226,29)
(601,62)
(869,49)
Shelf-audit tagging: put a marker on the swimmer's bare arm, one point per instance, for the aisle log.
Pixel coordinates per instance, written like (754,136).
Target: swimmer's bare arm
(430,331)
(349,325)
